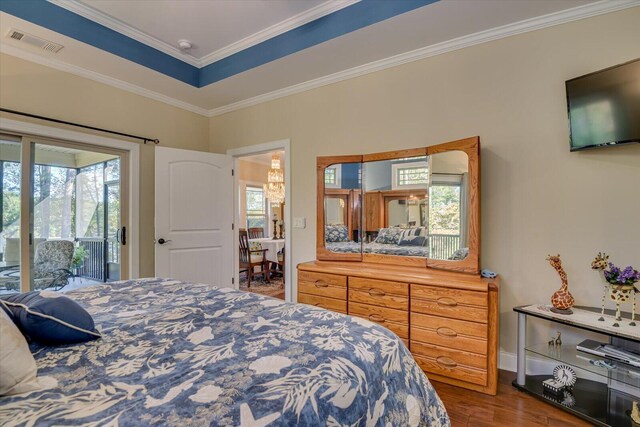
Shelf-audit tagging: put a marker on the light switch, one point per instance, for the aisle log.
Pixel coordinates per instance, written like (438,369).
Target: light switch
(299,222)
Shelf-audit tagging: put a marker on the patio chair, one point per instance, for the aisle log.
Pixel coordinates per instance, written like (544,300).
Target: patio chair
(256,233)
(249,259)
(51,266)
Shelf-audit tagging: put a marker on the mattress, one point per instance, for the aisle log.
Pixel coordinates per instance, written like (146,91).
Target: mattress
(177,353)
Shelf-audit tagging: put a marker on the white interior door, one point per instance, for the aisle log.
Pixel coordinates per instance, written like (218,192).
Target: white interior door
(194,216)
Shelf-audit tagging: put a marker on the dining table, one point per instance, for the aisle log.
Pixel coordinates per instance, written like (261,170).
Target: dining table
(273,246)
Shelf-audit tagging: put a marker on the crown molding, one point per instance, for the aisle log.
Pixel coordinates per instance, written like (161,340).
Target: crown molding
(295,21)
(114,24)
(549,20)
(557,18)
(101,78)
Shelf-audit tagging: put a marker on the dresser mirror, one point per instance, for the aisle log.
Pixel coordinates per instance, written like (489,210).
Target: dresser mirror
(341,214)
(396,205)
(416,207)
(448,206)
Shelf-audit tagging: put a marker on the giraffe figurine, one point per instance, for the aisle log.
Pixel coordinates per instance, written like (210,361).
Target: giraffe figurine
(562,300)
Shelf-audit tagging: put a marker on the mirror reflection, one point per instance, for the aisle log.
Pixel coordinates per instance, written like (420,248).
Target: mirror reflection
(342,201)
(448,206)
(396,206)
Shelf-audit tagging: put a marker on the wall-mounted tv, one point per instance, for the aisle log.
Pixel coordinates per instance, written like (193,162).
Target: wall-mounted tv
(604,107)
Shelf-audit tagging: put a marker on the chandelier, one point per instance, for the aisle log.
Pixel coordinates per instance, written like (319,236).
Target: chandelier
(274,189)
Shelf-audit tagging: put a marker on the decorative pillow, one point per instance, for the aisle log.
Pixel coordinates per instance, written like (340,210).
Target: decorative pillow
(50,318)
(460,254)
(413,241)
(255,246)
(17,365)
(336,233)
(389,236)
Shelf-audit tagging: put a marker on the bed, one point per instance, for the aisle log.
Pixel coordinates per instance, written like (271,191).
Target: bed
(177,353)
(378,248)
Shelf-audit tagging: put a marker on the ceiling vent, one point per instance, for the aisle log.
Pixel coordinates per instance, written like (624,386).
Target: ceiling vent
(34,41)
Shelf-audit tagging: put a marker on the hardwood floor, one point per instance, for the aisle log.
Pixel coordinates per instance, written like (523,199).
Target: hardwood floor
(509,408)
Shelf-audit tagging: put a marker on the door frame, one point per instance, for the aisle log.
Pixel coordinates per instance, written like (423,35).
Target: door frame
(48,132)
(249,150)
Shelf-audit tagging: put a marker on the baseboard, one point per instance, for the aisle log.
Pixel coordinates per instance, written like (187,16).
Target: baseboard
(535,366)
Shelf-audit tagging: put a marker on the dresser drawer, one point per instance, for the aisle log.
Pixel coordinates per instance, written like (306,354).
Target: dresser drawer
(373,297)
(382,287)
(322,278)
(456,334)
(379,314)
(449,308)
(460,357)
(400,329)
(395,320)
(447,367)
(450,297)
(322,289)
(323,302)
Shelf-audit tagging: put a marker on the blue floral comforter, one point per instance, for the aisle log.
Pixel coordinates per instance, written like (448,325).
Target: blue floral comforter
(182,354)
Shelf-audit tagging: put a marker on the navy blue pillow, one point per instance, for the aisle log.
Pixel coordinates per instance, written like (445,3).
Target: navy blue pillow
(50,318)
(412,241)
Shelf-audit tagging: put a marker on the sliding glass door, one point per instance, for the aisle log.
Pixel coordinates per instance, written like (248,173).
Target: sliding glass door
(72,215)
(10,224)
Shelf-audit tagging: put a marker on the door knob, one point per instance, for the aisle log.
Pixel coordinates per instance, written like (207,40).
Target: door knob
(162,241)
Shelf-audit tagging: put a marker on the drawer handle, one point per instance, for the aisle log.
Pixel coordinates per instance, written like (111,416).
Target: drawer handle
(447,332)
(376,292)
(446,362)
(321,284)
(376,318)
(319,304)
(447,302)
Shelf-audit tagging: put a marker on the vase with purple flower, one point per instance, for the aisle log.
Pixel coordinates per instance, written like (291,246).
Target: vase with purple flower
(619,285)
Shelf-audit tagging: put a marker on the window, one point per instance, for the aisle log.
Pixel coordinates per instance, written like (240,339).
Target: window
(333,176)
(410,175)
(256,207)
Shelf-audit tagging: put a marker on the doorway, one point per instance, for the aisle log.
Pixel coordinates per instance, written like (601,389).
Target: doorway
(262,214)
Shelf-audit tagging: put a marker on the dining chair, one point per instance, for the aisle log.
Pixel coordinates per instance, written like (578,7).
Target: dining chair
(256,233)
(278,267)
(249,259)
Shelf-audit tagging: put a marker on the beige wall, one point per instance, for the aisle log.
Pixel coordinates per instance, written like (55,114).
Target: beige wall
(537,197)
(33,88)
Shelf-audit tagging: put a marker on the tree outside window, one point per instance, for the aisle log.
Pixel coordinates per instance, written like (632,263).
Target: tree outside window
(444,209)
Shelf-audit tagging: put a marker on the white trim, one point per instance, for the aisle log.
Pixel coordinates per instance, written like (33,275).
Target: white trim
(295,21)
(117,25)
(100,78)
(556,18)
(8,125)
(237,153)
(95,15)
(535,365)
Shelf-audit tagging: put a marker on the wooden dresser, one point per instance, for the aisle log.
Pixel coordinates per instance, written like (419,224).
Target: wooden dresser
(448,320)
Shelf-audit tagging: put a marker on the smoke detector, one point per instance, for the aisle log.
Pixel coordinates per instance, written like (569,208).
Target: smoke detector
(184,44)
(34,41)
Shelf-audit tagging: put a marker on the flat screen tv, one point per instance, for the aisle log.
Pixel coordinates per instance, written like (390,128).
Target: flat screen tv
(604,107)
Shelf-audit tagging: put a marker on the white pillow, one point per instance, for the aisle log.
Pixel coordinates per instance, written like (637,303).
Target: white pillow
(17,366)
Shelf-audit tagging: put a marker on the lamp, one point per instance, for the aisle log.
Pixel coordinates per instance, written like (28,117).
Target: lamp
(274,189)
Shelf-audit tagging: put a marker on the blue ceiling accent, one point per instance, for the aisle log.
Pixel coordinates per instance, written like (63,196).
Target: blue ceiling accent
(336,24)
